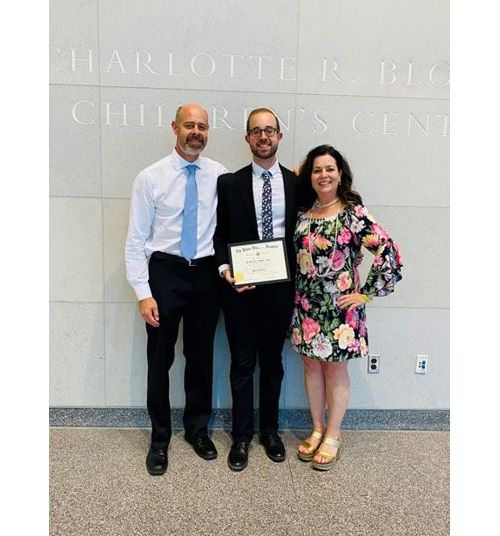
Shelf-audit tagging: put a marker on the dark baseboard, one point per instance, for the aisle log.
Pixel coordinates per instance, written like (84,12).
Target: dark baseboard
(290,419)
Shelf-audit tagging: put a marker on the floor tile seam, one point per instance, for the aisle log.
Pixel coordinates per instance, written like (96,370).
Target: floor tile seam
(294,489)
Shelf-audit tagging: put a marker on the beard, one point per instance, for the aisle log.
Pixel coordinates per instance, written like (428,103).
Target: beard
(264,150)
(194,145)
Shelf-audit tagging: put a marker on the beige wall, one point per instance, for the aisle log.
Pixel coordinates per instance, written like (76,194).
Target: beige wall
(371,78)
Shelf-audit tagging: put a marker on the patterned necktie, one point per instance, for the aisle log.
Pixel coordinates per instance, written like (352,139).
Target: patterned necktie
(267,206)
(190,218)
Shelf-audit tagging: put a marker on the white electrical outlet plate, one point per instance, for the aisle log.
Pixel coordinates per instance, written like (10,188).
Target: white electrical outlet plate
(373,363)
(422,364)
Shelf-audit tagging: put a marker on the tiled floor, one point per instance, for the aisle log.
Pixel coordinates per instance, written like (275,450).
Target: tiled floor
(386,483)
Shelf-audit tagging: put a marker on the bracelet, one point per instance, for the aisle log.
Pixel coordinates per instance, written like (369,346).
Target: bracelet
(366,298)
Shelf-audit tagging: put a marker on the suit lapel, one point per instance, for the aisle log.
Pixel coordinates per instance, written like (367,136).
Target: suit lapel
(246,190)
(289,199)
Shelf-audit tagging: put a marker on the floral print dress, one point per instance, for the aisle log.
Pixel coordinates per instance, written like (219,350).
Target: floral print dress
(328,256)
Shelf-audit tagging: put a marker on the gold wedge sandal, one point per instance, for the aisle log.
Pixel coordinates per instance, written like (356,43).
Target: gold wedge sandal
(308,455)
(325,466)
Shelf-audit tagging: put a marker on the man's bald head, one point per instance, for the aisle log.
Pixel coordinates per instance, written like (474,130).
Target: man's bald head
(191,130)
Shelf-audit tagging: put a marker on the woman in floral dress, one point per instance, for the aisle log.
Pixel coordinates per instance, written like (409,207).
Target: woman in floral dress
(328,326)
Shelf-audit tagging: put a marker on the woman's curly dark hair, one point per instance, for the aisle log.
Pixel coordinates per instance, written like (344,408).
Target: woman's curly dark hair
(345,192)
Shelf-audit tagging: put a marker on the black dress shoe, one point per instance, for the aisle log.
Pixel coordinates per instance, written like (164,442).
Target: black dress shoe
(204,447)
(238,455)
(275,449)
(157,461)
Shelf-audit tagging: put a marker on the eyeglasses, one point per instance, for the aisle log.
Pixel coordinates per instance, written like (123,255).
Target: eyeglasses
(268,131)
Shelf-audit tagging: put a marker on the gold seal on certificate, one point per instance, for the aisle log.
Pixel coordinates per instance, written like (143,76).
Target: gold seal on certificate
(259,262)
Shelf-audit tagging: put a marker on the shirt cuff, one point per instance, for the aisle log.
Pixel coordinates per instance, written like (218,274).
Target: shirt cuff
(223,267)
(143,291)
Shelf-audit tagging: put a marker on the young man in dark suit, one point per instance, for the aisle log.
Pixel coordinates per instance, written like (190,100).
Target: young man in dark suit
(256,203)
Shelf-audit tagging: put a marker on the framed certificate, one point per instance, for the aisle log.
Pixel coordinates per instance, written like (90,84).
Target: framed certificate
(259,262)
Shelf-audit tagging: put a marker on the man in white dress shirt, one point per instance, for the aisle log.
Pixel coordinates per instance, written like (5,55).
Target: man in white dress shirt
(169,257)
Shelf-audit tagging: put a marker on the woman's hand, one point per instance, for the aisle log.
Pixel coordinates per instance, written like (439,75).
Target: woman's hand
(351,301)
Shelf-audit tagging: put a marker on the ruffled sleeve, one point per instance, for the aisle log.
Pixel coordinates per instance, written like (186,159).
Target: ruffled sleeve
(385,271)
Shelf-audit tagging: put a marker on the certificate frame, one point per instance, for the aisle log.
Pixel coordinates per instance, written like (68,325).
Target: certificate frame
(259,262)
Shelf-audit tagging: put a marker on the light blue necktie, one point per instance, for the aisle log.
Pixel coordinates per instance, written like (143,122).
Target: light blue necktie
(267,206)
(190,219)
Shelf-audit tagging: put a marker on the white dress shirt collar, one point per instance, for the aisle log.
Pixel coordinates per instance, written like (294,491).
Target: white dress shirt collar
(258,170)
(180,163)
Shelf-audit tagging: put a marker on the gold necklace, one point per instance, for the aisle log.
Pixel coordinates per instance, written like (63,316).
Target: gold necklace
(319,204)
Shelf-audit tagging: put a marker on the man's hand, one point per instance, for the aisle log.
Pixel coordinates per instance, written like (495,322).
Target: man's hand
(232,281)
(149,311)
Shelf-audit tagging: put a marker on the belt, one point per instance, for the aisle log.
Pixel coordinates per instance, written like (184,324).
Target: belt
(181,260)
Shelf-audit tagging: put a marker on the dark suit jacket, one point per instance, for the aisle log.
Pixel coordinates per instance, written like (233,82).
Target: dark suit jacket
(236,219)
